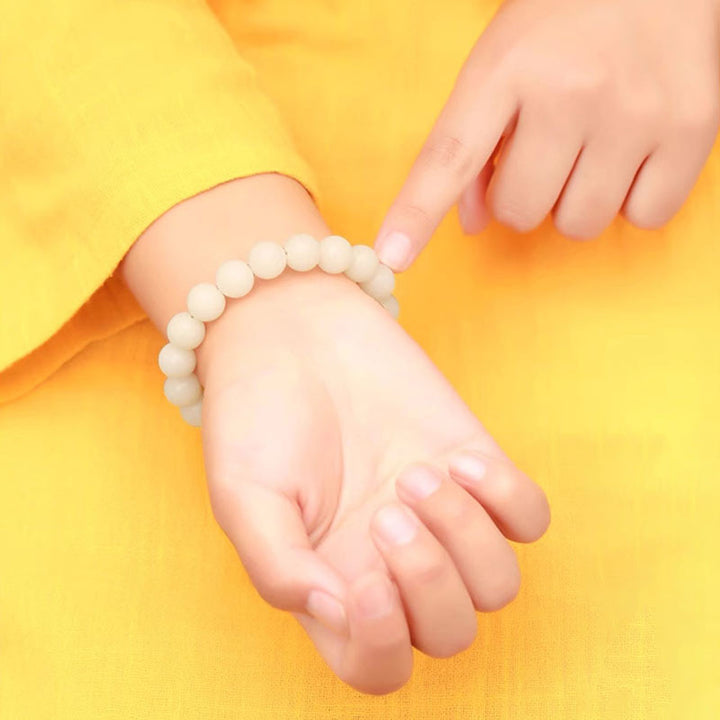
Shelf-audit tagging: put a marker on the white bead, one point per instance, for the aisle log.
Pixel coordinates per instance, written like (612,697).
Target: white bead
(175,361)
(267,259)
(363,265)
(185,331)
(381,284)
(335,254)
(391,305)
(183,390)
(303,252)
(234,278)
(192,414)
(205,302)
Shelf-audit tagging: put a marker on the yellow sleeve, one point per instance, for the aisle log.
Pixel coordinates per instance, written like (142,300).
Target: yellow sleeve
(111,112)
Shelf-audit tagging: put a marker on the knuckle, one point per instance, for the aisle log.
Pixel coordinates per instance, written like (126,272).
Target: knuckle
(646,217)
(415,214)
(427,569)
(449,648)
(541,514)
(387,641)
(449,153)
(274,590)
(500,590)
(376,684)
(513,214)
(506,490)
(698,118)
(574,226)
(458,512)
(452,645)
(584,84)
(644,109)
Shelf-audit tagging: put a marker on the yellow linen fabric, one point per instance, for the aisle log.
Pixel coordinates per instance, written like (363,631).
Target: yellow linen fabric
(112,112)
(595,365)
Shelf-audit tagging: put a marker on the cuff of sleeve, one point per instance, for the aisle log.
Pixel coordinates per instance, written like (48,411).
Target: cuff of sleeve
(102,138)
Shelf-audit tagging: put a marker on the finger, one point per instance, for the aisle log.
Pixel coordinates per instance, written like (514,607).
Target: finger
(472,207)
(268,532)
(667,177)
(597,188)
(462,140)
(534,166)
(440,612)
(378,657)
(483,557)
(517,505)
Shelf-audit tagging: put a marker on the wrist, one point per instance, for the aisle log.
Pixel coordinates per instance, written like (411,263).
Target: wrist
(186,244)
(291,304)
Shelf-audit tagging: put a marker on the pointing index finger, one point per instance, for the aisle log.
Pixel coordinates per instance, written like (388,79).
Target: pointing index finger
(461,142)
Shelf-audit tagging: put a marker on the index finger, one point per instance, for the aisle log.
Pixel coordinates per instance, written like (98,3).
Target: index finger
(462,141)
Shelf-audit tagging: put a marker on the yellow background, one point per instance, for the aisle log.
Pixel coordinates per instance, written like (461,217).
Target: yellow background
(595,365)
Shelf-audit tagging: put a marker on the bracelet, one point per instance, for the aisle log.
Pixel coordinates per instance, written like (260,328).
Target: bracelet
(235,279)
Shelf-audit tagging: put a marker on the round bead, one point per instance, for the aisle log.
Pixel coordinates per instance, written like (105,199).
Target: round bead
(335,254)
(175,361)
(183,391)
(234,278)
(205,302)
(185,331)
(267,259)
(381,284)
(391,304)
(363,265)
(303,252)
(192,414)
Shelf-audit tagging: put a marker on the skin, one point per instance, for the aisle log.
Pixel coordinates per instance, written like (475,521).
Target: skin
(580,110)
(319,412)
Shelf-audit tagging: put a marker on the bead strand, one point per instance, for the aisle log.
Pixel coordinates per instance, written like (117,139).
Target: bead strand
(236,278)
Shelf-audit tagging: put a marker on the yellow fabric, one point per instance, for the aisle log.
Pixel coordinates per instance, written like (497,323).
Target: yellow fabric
(112,112)
(596,365)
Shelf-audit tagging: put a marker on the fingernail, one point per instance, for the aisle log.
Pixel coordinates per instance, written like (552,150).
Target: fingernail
(419,482)
(468,466)
(394,250)
(375,599)
(328,610)
(395,525)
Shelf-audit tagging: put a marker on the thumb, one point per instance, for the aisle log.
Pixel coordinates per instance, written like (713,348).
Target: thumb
(259,433)
(268,532)
(460,144)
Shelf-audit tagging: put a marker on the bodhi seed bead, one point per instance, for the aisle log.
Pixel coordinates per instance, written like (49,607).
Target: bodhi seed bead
(303,252)
(192,414)
(381,284)
(185,331)
(175,361)
(183,391)
(267,260)
(335,254)
(234,278)
(363,265)
(205,302)
(391,305)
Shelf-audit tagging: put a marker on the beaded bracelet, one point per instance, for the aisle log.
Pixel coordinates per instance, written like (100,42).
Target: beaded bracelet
(235,279)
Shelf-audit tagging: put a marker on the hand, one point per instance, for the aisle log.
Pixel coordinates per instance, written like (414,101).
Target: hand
(318,409)
(324,423)
(602,106)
